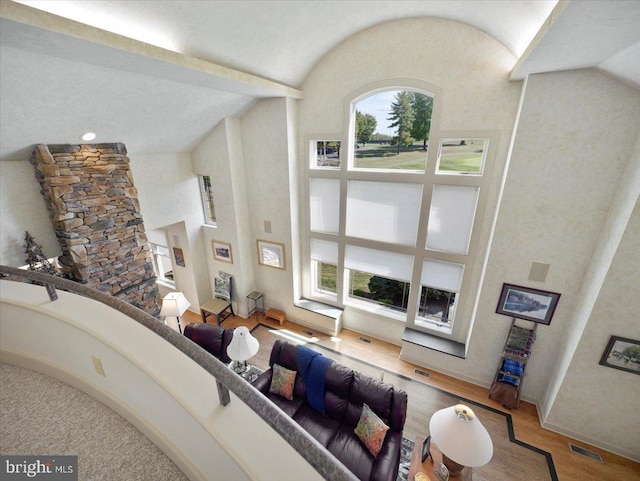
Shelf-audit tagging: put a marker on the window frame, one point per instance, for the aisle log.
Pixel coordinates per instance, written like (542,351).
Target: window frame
(465,303)
(155,255)
(208,203)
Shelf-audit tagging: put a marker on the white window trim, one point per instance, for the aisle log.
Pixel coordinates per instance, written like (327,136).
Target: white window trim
(205,202)
(465,306)
(159,274)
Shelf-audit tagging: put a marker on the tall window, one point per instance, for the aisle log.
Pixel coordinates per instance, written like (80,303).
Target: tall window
(206,191)
(392,223)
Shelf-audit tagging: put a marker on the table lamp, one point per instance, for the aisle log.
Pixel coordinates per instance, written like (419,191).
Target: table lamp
(461,437)
(174,304)
(243,346)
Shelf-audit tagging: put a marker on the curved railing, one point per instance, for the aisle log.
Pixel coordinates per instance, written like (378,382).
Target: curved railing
(312,451)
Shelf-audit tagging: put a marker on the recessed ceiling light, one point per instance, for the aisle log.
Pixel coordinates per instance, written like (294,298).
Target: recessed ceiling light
(88,136)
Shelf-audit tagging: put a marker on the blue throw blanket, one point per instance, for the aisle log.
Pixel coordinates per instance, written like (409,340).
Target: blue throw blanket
(313,367)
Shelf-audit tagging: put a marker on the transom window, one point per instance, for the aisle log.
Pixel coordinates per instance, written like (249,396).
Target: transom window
(392,220)
(206,191)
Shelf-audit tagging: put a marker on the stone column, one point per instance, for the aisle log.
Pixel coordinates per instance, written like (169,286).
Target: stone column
(95,212)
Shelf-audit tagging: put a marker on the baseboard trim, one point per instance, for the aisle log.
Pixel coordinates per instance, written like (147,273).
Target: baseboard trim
(590,441)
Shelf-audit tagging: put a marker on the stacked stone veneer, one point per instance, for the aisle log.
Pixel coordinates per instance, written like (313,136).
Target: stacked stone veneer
(95,212)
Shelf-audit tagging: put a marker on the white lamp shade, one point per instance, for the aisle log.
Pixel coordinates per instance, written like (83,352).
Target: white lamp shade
(174,304)
(243,345)
(466,442)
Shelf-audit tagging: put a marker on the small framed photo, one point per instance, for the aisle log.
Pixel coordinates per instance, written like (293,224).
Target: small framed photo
(179,255)
(526,303)
(426,447)
(222,251)
(271,254)
(622,353)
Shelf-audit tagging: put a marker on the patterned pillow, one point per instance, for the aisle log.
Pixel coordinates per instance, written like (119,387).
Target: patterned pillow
(371,430)
(282,381)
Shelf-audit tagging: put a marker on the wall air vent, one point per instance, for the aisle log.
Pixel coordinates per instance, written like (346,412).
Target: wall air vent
(586,453)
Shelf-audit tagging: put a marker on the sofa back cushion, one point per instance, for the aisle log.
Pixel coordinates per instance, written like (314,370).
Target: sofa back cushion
(213,339)
(337,384)
(285,354)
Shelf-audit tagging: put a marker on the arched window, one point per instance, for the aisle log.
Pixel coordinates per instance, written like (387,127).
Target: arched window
(393,210)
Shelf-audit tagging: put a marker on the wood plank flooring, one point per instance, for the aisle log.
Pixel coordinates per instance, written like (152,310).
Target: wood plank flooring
(569,466)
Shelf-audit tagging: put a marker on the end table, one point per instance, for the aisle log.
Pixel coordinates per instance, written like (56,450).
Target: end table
(255,296)
(432,463)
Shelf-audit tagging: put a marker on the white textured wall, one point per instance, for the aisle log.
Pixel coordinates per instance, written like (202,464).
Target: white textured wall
(169,197)
(574,140)
(22,208)
(594,401)
(266,155)
(219,155)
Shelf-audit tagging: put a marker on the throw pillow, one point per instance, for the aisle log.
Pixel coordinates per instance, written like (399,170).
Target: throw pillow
(371,430)
(282,381)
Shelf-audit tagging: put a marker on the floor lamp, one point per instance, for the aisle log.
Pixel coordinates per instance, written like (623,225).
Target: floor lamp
(174,304)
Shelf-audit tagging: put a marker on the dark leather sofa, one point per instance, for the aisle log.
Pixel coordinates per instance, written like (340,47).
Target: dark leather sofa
(345,391)
(212,338)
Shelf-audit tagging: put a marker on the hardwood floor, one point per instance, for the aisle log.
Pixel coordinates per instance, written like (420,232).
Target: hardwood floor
(569,466)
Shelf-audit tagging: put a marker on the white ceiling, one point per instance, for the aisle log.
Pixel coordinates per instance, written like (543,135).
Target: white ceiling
(59,79)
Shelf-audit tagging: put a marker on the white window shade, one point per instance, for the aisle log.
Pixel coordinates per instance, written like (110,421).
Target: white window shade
(324,197)
(324,251)
(383,263)
(446,276)
(383,211)
(451,217)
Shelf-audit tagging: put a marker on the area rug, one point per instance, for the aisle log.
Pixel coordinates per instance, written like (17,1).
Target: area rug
(405,459)
(510,455)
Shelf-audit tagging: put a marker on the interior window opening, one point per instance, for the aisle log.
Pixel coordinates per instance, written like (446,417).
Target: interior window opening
(162,264)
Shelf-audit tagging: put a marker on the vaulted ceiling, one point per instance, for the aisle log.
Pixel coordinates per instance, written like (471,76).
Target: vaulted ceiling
(159,75)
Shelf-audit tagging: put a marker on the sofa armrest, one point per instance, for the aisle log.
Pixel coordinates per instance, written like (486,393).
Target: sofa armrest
(263,382)
(388,461)
(213,339)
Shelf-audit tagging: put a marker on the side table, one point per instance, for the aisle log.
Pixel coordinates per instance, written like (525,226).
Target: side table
(431,464)
(255,296)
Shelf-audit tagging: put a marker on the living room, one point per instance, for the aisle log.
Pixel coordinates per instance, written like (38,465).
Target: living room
(563,192)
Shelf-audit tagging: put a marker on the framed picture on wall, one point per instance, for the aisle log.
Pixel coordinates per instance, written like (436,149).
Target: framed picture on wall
(179,256)
(622,353)
(271,254)
(527,303)
(222,251)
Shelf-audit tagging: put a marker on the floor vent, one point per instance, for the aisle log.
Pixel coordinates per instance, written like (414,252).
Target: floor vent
(586,453)
(422,373)
(308,333)
(364,339)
